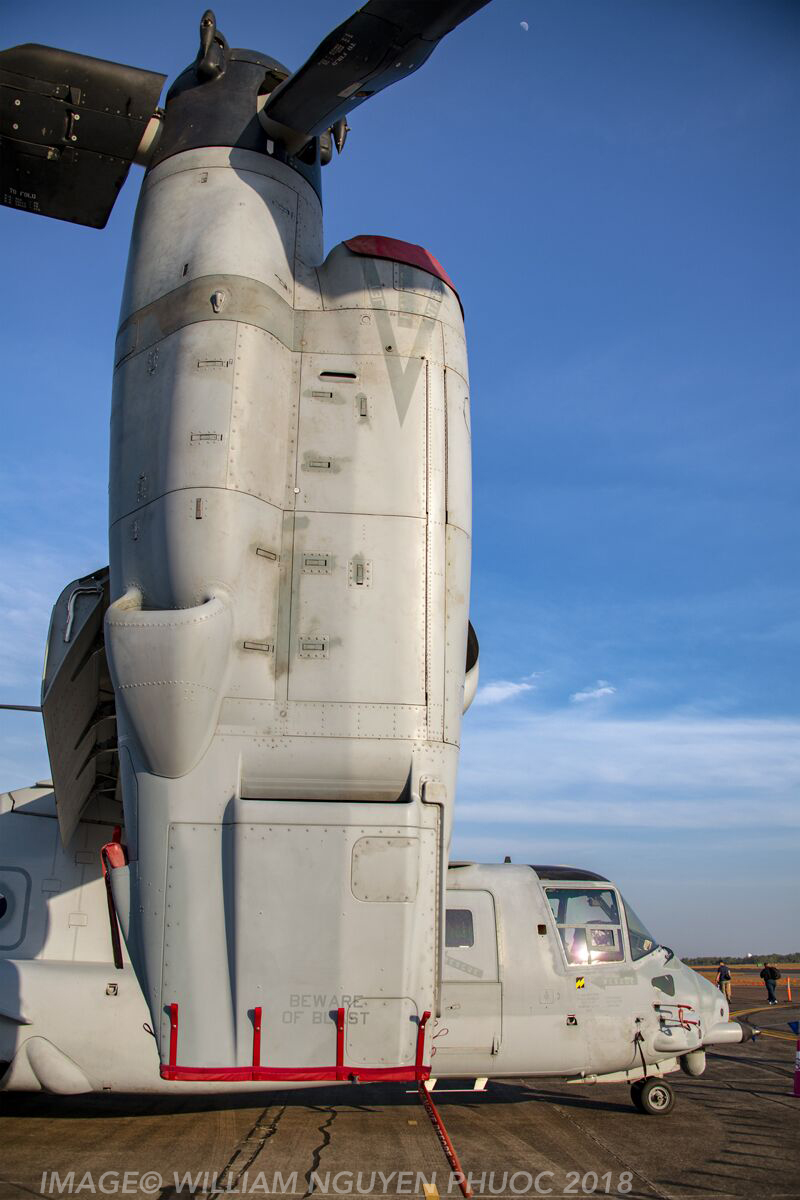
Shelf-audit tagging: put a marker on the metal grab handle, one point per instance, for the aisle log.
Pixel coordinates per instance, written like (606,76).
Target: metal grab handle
(95,590)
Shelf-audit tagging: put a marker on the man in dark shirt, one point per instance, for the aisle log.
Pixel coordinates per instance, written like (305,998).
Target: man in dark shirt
(723,980)
(770,974)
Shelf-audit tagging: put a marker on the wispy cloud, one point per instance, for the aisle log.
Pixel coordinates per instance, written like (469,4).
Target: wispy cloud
(663,772)
(654,803)
(601,688)
(504,689)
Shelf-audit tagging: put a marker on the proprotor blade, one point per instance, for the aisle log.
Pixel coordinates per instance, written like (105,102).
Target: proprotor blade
(382,42)
(70,127)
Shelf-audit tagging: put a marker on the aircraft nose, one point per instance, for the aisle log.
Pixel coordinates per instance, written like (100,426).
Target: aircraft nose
(711,1002)
(708,1003)
(718,1028)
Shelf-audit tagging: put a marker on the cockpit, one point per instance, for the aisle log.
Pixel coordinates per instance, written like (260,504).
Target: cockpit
(594,923)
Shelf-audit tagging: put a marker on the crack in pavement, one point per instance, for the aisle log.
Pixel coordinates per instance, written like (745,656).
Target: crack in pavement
(316,1154)
(15,1184)
(259,1134)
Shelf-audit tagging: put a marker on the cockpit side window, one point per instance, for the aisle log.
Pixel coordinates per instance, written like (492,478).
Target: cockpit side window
(642,941)
(589,924)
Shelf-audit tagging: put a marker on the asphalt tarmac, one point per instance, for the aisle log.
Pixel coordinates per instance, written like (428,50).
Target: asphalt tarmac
(733,1132)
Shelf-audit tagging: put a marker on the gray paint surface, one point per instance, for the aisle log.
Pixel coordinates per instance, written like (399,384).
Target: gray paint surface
(510,1005)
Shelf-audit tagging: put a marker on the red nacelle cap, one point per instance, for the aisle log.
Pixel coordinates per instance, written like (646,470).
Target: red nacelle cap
(373,245)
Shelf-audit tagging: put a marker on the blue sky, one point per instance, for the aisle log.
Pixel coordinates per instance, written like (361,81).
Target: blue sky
(615,192)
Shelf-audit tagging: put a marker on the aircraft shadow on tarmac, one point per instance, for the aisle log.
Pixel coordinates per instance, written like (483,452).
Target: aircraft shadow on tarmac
(364,1098)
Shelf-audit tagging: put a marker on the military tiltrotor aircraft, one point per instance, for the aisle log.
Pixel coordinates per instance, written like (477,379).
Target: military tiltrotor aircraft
(238,877)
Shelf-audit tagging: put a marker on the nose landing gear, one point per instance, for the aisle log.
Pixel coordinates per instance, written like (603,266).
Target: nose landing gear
(653,1096)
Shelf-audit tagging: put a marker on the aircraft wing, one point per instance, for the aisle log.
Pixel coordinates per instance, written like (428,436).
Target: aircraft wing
(78,709)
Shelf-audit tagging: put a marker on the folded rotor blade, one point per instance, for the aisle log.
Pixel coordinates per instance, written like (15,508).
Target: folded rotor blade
(378,45)
(70,127)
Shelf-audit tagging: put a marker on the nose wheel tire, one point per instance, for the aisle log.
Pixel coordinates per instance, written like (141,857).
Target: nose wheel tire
(654,1097)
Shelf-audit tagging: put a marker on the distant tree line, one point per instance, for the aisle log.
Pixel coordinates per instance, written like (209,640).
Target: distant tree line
(746,960)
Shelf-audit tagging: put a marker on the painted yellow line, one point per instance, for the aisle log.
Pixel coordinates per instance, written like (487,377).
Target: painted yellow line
(745,1012)
(773,1033)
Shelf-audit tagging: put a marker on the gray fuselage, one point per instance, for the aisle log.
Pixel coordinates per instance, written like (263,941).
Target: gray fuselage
(511,1000)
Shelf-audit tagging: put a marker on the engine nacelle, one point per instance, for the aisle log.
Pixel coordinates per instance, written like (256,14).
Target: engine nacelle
(288,629)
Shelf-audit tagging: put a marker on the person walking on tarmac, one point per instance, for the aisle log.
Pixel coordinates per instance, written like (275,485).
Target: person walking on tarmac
(723,980)
(770,975)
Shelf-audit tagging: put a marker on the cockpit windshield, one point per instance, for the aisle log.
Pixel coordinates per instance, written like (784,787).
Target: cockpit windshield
(589,923)
(642,941)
